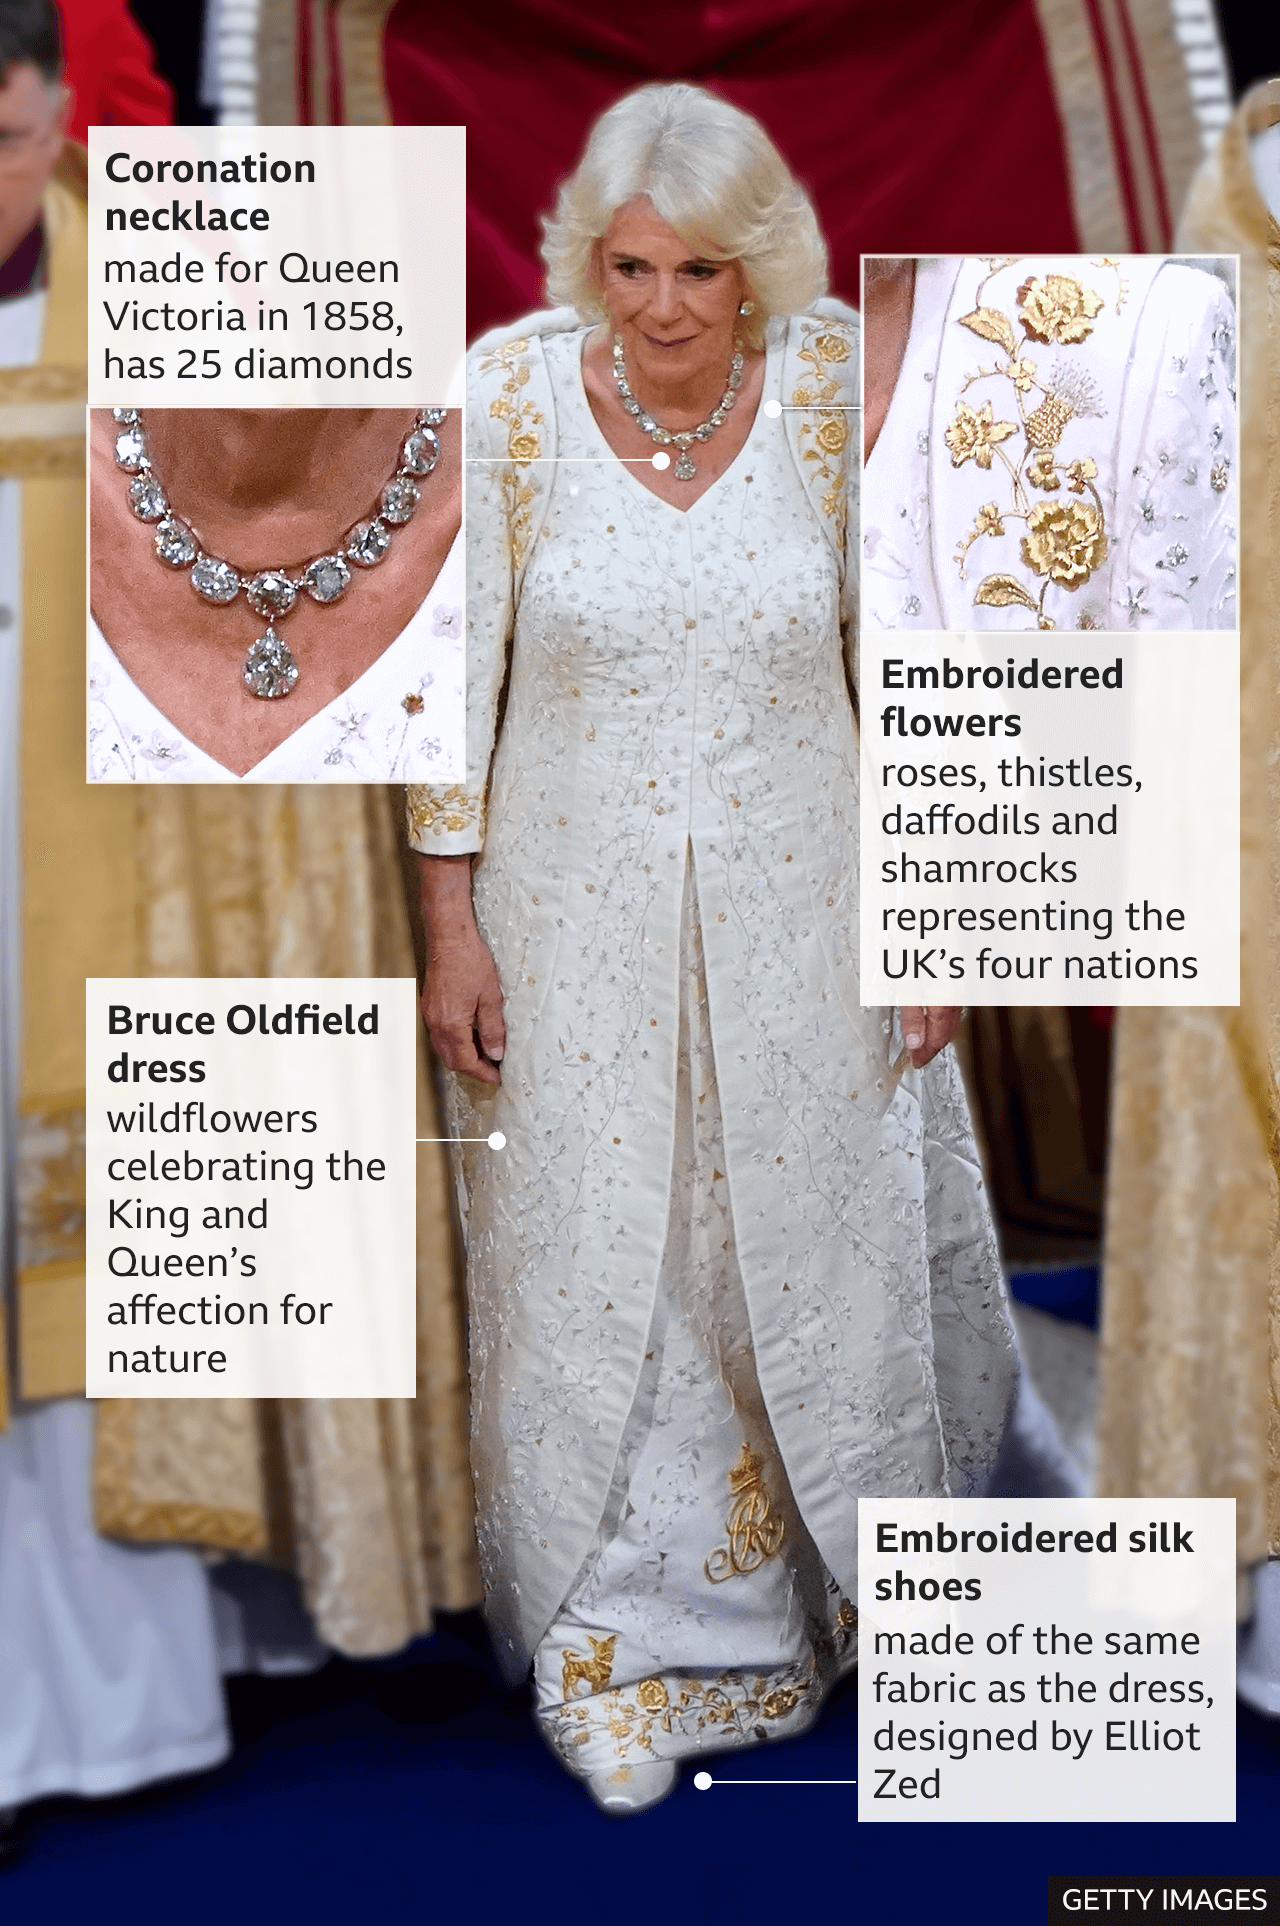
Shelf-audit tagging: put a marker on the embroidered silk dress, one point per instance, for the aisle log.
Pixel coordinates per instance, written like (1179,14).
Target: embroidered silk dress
(732,1268)
(1061,443)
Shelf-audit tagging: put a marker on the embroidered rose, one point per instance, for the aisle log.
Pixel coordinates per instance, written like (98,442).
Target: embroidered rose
(652,1694)
(1057,309)
(974,434)
(779,1702)
(1041,472)
(831,347)
(1065,541)
(1079,473)
(524,446)
(832,436)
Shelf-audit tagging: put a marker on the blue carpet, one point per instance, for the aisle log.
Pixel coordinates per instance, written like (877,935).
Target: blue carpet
(1068,1290)
(417,1784)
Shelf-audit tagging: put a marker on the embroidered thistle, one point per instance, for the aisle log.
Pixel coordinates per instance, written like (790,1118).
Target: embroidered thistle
(1068,392)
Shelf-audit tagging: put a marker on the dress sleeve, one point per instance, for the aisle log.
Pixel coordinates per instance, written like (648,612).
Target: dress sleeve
(506,433)
(1177,516)
(822,390)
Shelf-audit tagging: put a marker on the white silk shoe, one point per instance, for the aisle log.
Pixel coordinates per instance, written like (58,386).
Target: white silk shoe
(632,1788)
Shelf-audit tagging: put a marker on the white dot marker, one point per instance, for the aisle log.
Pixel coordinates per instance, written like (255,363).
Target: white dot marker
(703,1781)
(772,408)
(496,1140)
(661,459)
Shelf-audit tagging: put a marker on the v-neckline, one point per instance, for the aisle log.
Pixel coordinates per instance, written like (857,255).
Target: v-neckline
(772,363)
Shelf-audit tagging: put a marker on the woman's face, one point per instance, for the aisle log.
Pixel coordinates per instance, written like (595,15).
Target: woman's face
(676,311)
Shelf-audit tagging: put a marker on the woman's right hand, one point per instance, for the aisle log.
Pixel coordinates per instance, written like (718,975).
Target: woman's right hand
(462,997)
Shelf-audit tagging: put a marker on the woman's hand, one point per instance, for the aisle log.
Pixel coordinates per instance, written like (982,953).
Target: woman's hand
(925,1032)
(462,997)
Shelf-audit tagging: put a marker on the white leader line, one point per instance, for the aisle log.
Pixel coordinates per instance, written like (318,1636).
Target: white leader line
(769,1782)
(495,1140)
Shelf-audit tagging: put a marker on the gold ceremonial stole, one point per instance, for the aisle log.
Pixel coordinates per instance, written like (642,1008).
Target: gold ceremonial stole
(77,844)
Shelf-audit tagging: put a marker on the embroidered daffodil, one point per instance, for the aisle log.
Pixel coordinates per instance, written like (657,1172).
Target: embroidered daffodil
(1065,541)
(1057,309)
(973,434)
(1079,474)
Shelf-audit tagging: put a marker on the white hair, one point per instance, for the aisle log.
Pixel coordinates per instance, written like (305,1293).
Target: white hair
(714,175)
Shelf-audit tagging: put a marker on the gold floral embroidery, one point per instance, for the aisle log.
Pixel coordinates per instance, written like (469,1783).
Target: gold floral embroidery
(50,1186)
(755,1529)
(825,440)
(1065,542)
(593,1672)
(831,347)
(733,1706)
(1041,472)
(524,442)
(438,810)
(973,434)
(1058,309)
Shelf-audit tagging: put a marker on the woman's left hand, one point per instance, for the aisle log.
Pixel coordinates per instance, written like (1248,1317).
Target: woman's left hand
(926,1031)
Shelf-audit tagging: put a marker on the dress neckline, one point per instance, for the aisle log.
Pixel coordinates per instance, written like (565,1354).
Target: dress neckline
(769,382)
(378,667)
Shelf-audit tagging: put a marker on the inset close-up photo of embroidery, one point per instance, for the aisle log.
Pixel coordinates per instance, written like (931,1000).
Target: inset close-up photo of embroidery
(1050,443)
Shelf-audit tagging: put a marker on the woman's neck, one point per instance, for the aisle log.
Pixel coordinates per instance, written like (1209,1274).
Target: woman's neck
(246,461)
(680,401)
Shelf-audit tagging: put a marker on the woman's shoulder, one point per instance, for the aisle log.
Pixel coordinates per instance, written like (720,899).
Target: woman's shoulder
(820,349)
(532,334)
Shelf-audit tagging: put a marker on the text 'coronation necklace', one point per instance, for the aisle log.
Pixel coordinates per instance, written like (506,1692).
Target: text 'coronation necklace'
(685,468)
(269,668)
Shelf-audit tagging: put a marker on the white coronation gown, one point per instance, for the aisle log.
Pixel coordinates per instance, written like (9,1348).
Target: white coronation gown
(729,1272)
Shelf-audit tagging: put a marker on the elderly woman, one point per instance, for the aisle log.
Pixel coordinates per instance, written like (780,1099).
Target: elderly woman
(732,1268)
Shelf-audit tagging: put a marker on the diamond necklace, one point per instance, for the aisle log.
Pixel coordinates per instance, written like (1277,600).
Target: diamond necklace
(685,468)
(269,668)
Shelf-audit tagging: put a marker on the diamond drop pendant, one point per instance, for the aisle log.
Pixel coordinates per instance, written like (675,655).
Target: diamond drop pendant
(269,668)
(685,469)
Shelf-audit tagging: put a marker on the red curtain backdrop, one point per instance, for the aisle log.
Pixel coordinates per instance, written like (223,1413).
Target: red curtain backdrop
(924,128)
(110,70)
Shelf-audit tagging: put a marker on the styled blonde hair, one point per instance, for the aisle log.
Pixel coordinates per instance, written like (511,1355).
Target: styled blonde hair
(714,175)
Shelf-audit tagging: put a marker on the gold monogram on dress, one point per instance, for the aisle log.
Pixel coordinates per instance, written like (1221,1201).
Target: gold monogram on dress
(754,1527)
(592,1672)
(1065,541)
